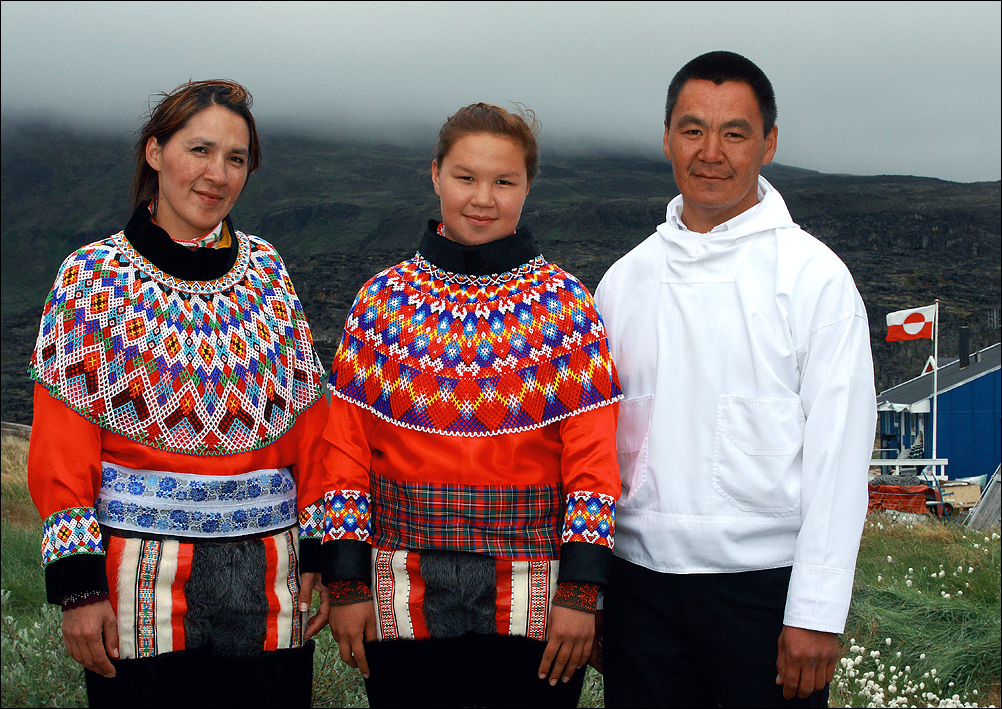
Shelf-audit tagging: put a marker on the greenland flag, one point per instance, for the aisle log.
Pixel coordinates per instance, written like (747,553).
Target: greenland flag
(915,324)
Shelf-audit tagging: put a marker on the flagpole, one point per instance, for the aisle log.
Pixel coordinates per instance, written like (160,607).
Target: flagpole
(935,379)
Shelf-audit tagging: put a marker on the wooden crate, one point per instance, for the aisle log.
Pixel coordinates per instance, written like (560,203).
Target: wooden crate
(961,495)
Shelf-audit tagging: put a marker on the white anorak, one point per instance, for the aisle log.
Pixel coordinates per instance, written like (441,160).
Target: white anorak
(749,412)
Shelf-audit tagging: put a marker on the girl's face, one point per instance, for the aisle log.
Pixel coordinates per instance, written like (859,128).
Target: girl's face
(201,171)
(482,183)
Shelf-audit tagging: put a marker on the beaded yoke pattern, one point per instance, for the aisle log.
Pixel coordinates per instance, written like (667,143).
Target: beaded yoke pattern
(197,367)
(466,355)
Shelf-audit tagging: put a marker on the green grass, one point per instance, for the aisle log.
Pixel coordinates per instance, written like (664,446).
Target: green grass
(923,627)
(924,624)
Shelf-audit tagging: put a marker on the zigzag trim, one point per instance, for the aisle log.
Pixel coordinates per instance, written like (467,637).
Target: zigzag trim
(475,434)
(201,450)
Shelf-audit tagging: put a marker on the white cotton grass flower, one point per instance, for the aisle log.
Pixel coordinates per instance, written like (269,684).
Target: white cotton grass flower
(887,642)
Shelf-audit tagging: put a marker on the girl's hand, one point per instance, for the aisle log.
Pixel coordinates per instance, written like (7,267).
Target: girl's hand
(352,624)
(571,634)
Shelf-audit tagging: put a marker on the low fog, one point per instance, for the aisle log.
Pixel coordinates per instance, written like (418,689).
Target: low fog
(863,88)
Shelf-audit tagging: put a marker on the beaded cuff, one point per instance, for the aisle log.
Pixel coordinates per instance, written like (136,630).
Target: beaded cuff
(576,595)
(311,521)
(83,598)
(590,518)
(347,515)
(347,591)
(70,532)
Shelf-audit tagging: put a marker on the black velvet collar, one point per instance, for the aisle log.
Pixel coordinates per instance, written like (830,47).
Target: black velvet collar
(178,261)
(482,260)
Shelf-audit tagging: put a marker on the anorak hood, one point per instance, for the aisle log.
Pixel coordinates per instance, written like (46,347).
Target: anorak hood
(770,213)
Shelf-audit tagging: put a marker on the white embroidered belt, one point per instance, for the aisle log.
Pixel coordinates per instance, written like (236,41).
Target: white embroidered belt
(189,505)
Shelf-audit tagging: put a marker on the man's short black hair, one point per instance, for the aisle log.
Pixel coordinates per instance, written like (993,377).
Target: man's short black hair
(719,67)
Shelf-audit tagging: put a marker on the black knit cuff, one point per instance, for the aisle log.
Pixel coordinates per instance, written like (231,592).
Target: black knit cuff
(346,592)
(577,595)
(346,560)
(584,563)
(76,575)
(83,599)
(309,556)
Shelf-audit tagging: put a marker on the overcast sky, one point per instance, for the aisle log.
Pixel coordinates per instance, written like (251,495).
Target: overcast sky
(863,88)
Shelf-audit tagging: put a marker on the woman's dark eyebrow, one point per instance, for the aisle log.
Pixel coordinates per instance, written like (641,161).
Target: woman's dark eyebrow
(212,144)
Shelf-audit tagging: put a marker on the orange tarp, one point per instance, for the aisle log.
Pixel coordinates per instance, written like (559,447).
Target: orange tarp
(909,498)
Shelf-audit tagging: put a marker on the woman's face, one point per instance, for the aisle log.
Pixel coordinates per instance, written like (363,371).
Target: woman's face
(482,183)
(201,171)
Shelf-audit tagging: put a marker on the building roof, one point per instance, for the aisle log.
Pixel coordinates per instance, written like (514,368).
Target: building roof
(950,377)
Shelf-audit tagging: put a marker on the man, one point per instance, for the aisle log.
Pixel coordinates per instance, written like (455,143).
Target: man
(745,433)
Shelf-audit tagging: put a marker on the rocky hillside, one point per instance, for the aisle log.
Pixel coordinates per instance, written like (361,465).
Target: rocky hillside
(341,212)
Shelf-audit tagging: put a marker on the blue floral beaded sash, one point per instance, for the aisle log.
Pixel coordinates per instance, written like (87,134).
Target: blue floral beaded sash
(188,505)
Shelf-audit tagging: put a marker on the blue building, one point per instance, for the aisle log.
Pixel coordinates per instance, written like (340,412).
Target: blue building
(970,415)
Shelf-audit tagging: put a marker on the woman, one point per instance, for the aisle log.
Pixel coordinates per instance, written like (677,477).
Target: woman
(472,470)
(175,448)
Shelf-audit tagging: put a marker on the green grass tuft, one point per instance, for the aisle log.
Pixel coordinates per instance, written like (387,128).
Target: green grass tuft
(924,623)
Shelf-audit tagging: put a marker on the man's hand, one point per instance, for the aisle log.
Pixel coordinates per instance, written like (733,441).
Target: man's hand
(90,634)
(351,624)
(571,633)
(308,583)
(806,661)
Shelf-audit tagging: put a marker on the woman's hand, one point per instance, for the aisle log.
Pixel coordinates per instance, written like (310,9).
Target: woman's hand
(351,624)
(571,633)
(90,634)
(308,582)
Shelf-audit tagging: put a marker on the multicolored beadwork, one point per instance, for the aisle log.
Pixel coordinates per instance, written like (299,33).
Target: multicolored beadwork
(474,355)
(70,531)
(347,515)
(311,521)
(591,517)
(195,367)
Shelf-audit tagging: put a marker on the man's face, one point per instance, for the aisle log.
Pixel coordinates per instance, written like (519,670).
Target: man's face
(717,147)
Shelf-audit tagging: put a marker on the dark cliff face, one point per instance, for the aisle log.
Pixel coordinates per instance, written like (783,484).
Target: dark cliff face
(340,213)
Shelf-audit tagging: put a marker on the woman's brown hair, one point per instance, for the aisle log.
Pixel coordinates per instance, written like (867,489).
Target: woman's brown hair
(173,111)
(522,127)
